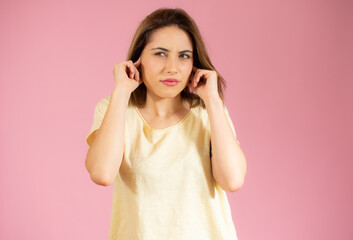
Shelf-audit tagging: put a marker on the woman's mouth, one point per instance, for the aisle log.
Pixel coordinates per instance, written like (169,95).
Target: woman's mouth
(170,81)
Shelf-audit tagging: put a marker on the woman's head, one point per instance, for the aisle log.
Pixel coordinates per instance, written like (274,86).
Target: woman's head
(167,55)
(175,28)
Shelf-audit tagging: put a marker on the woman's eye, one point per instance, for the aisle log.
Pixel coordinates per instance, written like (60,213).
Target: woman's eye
(159,53)
(185,56)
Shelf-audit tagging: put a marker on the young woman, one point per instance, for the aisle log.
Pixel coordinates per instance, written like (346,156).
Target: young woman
(165,139)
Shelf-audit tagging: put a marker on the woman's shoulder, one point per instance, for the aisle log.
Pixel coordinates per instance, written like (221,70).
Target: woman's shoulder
(199,112)
(104,101)
(102,104)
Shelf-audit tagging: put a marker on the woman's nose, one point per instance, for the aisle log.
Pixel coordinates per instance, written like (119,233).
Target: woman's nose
(172,65)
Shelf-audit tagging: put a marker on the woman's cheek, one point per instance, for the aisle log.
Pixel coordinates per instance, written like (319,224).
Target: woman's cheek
(187,69)
(154,64)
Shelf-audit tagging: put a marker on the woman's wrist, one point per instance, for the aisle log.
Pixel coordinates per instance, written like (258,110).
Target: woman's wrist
(121,94)
(213,100)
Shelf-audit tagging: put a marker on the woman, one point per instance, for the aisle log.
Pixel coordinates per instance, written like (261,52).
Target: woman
(165,139)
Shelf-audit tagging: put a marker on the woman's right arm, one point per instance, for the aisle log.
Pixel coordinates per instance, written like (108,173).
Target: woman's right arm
(106,151)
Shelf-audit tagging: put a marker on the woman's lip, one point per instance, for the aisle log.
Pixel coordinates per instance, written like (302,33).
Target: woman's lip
(170,83)
(170,80)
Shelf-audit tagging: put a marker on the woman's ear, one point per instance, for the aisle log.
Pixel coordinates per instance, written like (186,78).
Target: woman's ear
(191,76)
(140,73)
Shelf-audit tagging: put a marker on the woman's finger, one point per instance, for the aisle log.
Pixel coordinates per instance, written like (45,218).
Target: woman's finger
(136,65)
(134,73)
(131,68)
(197,77)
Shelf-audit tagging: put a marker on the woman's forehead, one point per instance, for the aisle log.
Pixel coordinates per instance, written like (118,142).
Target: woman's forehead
(170,38)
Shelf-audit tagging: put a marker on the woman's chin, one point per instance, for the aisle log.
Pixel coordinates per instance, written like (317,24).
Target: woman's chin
(167,93)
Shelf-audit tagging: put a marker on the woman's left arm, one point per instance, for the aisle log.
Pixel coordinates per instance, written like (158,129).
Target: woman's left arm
(228,160)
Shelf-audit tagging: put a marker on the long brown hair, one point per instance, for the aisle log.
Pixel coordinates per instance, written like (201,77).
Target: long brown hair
(164,17)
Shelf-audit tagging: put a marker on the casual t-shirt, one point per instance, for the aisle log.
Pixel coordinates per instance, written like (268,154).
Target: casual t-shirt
(165,187)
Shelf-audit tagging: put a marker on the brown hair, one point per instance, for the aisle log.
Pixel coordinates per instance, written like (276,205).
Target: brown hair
(164,17)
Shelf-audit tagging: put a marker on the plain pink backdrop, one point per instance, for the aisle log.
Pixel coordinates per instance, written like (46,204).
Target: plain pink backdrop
(288,65)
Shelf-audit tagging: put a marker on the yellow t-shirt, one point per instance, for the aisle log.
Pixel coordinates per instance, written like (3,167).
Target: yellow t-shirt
(165,187)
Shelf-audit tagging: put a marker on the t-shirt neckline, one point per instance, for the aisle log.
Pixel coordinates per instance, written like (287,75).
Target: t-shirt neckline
(167,128)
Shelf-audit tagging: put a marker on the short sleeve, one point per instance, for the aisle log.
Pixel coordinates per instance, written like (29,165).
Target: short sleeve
(99,113)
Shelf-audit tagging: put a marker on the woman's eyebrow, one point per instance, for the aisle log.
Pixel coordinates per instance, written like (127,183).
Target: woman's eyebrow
(164,49)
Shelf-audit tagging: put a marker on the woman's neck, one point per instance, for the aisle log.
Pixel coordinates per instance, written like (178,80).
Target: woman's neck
(164,107)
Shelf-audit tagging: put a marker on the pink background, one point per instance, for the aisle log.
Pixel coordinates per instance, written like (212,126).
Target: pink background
(289,70)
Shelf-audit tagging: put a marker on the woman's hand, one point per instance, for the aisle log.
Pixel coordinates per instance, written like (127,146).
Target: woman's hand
(204,83)
(126,75)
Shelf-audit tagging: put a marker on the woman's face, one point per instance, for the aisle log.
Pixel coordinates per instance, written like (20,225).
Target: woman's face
(168,54)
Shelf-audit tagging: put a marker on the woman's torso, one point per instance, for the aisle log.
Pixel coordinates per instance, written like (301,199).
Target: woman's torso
(165,188)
